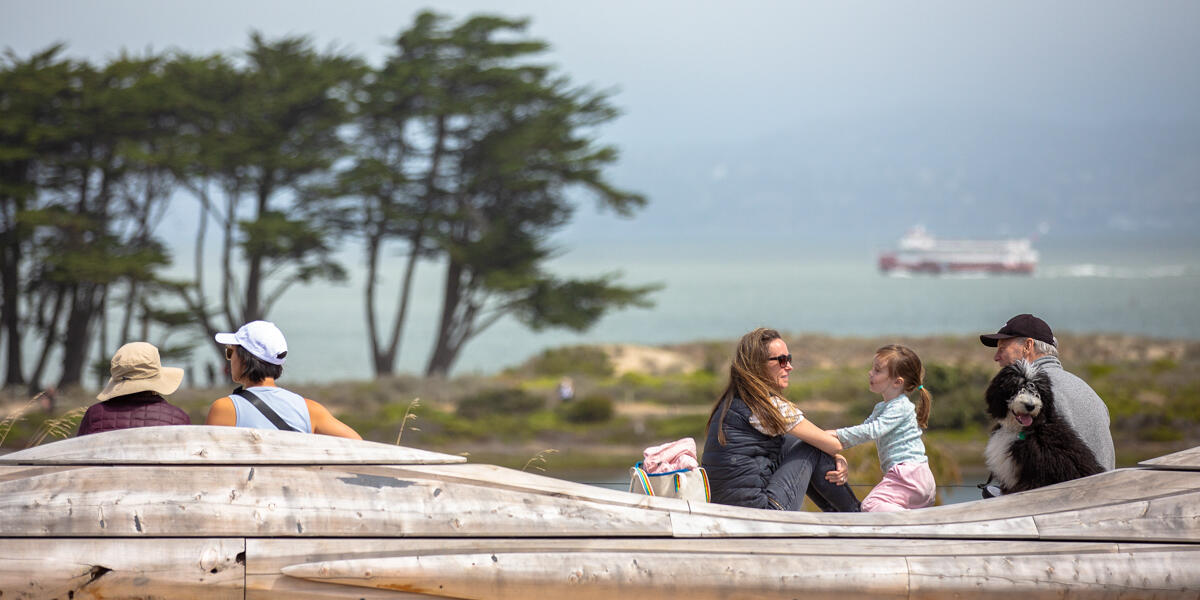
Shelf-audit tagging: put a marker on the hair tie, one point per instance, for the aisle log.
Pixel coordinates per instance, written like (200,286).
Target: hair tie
(920,387)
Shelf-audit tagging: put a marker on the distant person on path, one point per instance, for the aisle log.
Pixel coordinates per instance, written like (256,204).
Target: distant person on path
(1026,337)
(760,450)
(566,389)
(256,353)
(895,425)
(133,396)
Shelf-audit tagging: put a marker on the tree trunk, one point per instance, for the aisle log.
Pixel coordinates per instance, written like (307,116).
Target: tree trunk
(383,361)
(10,316)
(254,309)
(445,350)
(50,334)
(14,173)
(77,334)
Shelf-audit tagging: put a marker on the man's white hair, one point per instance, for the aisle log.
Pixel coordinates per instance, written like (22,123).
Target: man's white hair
(1043,348)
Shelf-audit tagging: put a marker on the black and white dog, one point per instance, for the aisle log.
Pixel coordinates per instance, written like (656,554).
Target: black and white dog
(1031,445)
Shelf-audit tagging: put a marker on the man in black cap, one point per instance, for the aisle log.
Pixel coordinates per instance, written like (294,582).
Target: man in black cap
(1026,337)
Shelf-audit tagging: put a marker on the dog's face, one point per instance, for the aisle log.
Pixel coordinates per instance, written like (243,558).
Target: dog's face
(1018,396)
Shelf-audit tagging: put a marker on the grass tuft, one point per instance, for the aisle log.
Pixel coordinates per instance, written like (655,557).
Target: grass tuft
(539,459)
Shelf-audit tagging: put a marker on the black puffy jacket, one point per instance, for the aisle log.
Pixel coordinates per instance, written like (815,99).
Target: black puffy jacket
(739,471)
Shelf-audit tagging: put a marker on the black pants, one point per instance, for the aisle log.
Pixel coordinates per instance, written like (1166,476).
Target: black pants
(802,470)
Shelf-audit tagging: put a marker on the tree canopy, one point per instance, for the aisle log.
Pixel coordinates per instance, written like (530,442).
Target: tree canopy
(460,151)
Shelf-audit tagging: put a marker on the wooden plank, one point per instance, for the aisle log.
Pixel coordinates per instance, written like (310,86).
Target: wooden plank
(1145,572)
(331,501)
(208,445)
(418,501)
(1053,570)
(268,558)
(859,525)
(1175,517)
(512,479)
(1186,459)
(265,558)
(268,555)
(1105,489)
(118,568)
(606,575)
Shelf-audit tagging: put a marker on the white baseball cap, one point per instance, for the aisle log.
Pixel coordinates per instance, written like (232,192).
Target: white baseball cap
(260,338)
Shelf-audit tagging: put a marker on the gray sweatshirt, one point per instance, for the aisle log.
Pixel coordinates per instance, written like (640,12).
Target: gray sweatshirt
(1078,403)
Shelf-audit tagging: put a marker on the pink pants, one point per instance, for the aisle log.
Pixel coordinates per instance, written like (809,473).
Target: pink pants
(904,486)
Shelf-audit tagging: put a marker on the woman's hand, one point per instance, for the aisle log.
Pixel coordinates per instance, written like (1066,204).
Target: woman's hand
(842,472)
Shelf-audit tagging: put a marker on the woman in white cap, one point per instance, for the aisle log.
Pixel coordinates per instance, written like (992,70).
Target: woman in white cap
(256,353)
(133,396)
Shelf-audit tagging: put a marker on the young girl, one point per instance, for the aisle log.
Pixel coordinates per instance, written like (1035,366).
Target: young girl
(895,425)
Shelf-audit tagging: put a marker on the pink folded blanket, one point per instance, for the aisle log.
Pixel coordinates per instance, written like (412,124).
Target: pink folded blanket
(671,456)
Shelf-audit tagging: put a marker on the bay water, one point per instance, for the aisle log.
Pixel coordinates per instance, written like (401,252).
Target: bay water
(711,293)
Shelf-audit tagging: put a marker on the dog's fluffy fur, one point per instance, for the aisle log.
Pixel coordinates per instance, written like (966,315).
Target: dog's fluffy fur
(1031,446)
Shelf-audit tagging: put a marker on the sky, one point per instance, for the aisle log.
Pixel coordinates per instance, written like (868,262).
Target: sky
(804,112)
(772,128)
(715,70)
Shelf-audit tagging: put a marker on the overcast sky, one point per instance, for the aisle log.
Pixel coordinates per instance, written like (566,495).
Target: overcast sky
(772,84)
(725,70)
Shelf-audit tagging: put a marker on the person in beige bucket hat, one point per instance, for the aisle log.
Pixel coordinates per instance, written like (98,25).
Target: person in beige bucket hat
(134,394)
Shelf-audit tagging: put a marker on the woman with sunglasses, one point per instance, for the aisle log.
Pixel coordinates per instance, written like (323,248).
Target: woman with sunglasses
(256,353)
(760,451)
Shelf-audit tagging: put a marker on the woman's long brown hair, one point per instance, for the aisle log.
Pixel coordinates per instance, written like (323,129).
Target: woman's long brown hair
(902,361)
(750,381)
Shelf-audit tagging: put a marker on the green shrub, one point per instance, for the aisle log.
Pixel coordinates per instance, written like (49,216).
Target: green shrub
(1184,405)
(503,401)
(575,360)
(674,428)
(644,380)
(1162,433)
(590,409)
(1097,370)
(958,395)
(1163,365)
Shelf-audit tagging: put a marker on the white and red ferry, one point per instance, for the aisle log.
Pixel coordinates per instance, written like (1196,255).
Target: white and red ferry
(920,252)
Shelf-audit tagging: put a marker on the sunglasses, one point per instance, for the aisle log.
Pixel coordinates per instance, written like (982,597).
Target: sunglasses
(228,353)
(783,359)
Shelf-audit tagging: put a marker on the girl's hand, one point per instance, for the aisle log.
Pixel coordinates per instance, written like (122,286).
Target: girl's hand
(842,472)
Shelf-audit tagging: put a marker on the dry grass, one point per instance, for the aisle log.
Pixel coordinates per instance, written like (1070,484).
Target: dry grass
(408,416)
(539,460)
(16,415)
(60,427)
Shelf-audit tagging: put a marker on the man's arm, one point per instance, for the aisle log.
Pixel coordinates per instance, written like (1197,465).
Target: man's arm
(325,423)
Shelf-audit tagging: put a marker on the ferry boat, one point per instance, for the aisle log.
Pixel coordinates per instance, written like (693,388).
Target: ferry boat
(920,252)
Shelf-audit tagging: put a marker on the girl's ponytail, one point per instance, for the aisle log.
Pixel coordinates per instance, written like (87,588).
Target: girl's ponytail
(924,403)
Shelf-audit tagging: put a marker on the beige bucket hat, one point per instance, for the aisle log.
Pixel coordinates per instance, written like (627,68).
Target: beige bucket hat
(136,367)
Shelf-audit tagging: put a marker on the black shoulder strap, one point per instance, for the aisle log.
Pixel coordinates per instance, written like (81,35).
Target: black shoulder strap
(262,407)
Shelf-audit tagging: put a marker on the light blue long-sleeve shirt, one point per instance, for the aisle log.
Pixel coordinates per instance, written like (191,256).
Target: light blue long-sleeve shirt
(893,426)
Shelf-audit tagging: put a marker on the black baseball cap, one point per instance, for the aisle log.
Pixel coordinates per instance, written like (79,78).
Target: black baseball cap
(1025,326)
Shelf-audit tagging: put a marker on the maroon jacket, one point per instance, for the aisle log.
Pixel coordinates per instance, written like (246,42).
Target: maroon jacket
(140,409)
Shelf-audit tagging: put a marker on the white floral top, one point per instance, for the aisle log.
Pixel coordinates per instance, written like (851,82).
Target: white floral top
(791,415)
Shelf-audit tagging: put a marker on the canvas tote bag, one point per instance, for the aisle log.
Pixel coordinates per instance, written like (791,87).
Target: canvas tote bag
(686,484)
